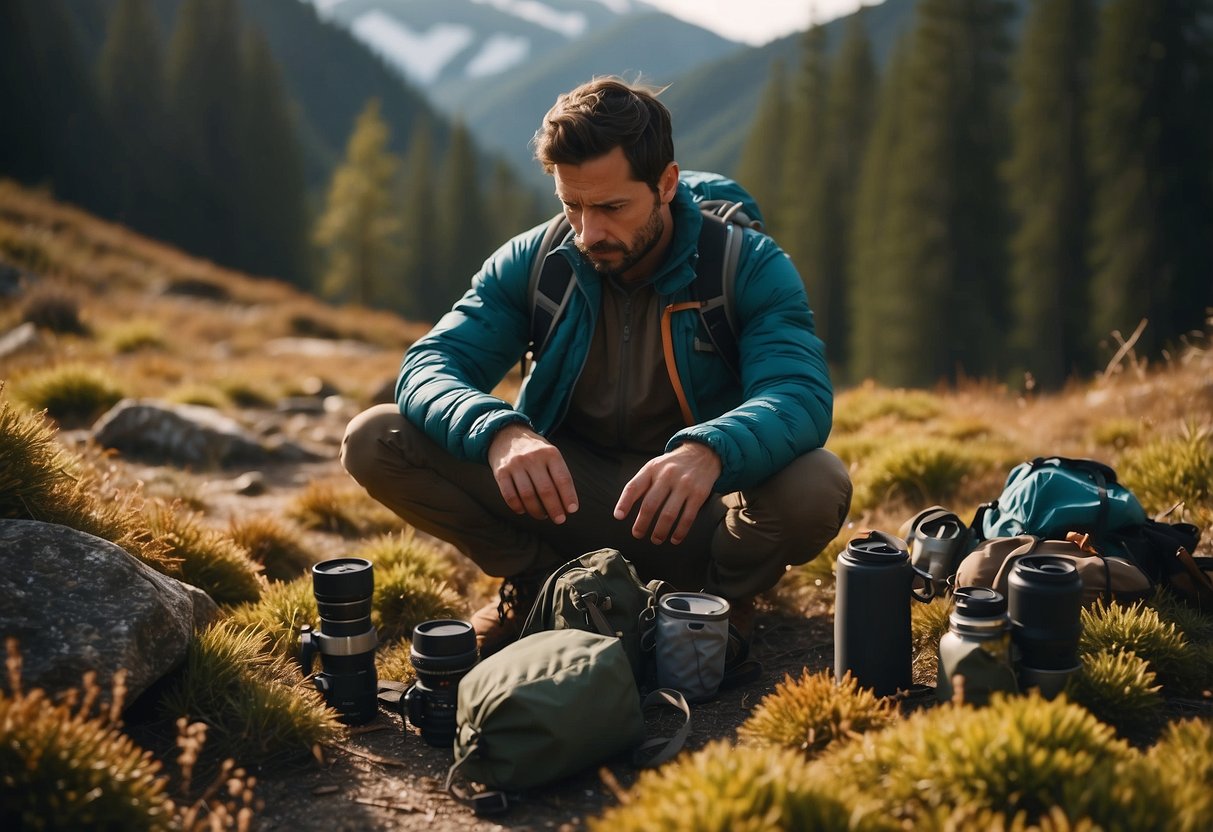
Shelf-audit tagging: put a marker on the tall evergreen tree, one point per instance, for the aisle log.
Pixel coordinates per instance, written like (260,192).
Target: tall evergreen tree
(1049,190)
(803,202)
(874,297)
(465,232)
(272,202)
(204,77)
(131,79)
(53,131)
(850,108)
(1152,162)
(420,235)
(359,230)
(760,167)
(946,217)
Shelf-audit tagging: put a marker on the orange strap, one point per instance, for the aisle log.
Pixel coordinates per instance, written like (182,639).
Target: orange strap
(667,343)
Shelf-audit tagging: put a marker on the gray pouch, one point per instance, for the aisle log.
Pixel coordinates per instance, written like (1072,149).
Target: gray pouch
(692,640)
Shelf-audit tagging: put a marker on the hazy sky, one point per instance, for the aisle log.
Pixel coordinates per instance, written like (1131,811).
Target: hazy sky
(757,21)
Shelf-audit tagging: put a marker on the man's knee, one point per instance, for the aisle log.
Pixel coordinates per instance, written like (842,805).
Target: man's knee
(809,500)
(362,446)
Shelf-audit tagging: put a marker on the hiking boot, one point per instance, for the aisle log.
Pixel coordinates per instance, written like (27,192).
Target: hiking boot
(499,622)
(741,631)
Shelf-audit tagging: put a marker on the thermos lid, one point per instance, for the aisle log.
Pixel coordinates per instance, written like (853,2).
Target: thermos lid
(877,548)
(1046,569)
(979,602)
(696,606)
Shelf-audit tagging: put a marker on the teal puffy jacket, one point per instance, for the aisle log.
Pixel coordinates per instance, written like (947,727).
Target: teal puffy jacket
(781,408)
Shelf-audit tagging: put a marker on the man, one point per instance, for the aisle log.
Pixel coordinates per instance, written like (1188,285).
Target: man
(622,436)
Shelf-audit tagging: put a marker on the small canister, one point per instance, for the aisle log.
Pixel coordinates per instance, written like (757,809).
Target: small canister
(975,653)
(1045,604)
(692,639)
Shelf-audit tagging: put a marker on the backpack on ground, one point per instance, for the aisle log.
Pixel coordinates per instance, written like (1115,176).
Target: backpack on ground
(551,281)
(548,706)
(1103,578)
(1055,497)
(599,592)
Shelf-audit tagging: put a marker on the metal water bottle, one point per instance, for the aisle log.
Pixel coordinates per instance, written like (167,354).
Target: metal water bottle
(1045,605)
(975,652)
(875,582)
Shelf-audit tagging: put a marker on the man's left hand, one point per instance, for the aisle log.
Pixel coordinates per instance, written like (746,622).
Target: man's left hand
(671,490)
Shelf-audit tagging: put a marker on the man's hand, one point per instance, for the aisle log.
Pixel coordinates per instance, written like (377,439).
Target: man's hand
(532,474)
(672,488)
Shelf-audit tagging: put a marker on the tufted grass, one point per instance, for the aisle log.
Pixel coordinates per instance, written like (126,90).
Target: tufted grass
(813,712)
(1171,470)
(1018,761)
(915,471)
(62,766)
(751,788)
(207,558)
(278,546)
(256,703)
(1139,629)
(73,394)
(1183,760)
(928,623)
(343,510)
(135,335)
(855,409)
(54,308)
(1119,688)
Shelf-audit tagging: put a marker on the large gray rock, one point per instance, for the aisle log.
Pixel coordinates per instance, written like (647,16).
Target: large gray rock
(183,434)
(75,602)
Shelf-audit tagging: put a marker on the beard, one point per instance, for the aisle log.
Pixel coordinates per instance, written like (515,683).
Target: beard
(642,242)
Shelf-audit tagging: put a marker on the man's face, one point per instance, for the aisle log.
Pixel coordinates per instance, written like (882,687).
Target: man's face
(621,226)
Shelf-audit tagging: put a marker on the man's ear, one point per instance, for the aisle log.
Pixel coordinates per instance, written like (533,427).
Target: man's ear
(667,185)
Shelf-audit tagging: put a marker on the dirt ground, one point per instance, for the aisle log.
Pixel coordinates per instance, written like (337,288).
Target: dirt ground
(388,778)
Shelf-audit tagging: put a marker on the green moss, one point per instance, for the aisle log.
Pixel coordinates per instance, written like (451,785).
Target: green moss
(1020,757)
(1183,761)
(1137,628)
(813,712)
(1119,688)
(726,789)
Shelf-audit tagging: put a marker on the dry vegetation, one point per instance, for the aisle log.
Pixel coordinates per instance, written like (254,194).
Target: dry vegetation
(118,315)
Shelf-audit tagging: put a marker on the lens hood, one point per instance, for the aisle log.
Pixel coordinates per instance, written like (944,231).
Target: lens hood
(443,645)
(343,580)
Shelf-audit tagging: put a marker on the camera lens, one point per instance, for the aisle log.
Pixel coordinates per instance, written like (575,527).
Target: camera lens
(443,651)
(346,642)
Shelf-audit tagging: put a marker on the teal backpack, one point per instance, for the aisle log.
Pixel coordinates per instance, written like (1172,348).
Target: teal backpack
(1050,496)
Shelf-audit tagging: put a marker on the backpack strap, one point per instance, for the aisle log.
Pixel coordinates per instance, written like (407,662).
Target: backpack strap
(663,749)
(715,273)
(550,285)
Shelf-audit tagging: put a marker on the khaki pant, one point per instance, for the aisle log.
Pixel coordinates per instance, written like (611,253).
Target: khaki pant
(739,544)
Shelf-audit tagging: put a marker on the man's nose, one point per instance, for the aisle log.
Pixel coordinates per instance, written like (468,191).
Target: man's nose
(593,229)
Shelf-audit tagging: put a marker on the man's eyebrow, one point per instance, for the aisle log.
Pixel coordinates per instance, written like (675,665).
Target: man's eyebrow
(618,200)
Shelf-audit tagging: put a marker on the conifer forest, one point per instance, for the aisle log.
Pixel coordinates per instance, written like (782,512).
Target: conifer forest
(1014,192)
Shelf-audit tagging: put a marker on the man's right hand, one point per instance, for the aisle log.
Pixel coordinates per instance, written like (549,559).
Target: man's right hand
(532,474)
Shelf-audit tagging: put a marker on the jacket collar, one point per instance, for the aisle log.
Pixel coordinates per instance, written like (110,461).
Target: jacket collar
(678,268)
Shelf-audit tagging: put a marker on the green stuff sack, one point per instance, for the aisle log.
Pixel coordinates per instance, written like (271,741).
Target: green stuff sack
(550,705)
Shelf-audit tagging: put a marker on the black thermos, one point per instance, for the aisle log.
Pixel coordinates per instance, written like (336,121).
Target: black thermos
(875,582)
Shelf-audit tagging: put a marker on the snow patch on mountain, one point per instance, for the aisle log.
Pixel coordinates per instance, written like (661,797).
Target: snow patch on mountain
(421,56)
(569,24)
(499,53)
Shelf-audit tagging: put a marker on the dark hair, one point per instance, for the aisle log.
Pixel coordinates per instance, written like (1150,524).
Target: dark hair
(606,113)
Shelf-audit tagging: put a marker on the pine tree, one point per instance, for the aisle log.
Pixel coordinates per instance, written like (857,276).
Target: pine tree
(204,77)
(360,228)
(272,202)
(419,271)
(760,167)
(1049,190)
(798,221)
(946,219)
(465,233)
(131,79)
(875,318)
(1152,162)
(849,112)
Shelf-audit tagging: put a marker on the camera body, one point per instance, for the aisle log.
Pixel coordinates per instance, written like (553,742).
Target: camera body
(443,651)
(346,640)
